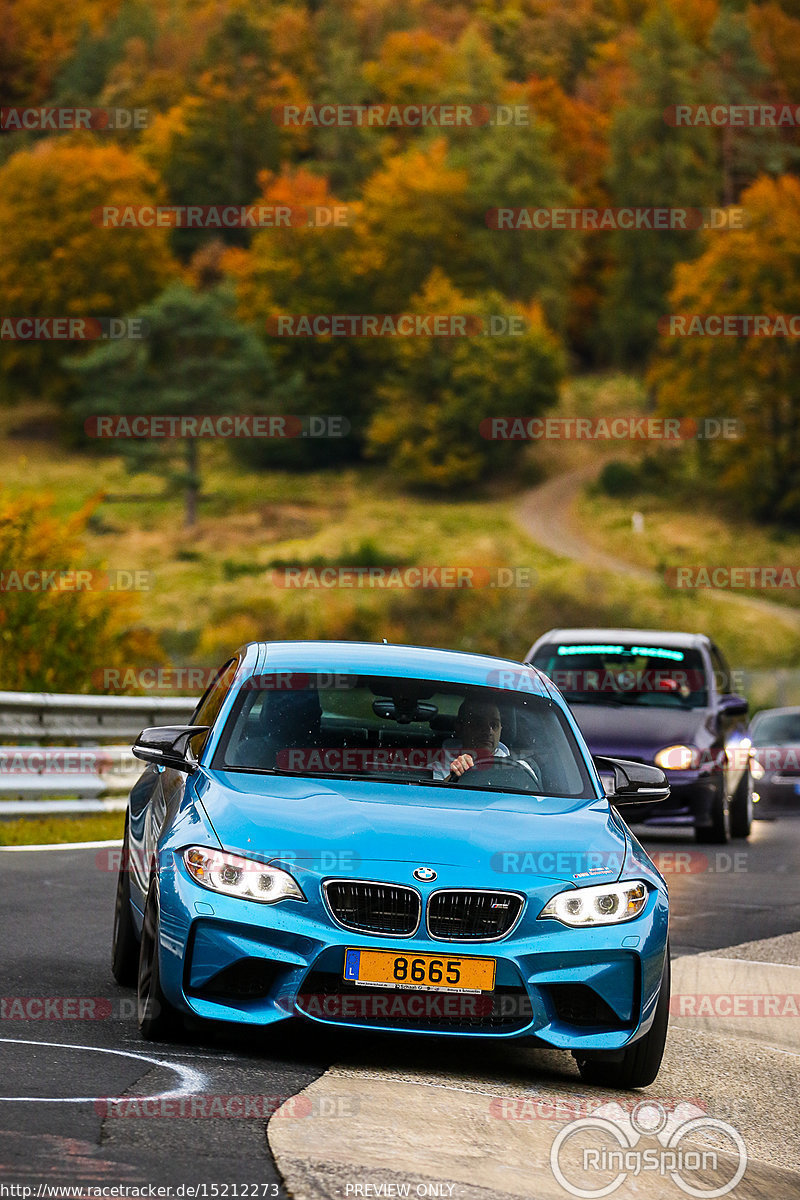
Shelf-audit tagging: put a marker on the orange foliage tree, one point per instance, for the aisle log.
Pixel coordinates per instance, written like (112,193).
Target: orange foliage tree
(57,261)
(753,379)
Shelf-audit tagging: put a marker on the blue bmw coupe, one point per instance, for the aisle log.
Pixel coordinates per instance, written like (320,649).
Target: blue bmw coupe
(395,838)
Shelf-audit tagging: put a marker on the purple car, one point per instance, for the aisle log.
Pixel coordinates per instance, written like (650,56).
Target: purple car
(664,699)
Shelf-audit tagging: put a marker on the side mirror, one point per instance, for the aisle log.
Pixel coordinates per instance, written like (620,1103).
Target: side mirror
(733,706)
(168,746)
(633,783)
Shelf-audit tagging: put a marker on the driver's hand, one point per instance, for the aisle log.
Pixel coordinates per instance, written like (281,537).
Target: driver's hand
(461,764)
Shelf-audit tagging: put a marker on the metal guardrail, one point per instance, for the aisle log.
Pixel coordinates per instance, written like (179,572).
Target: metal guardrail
(82,772)
(54,751)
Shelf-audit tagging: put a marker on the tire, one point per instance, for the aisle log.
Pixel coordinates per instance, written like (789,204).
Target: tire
(158,1020)
(640,1062)
(124,941)
(719,831)
(742,807)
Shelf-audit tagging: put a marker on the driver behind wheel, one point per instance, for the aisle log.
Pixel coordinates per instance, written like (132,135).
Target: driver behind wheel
(478,728)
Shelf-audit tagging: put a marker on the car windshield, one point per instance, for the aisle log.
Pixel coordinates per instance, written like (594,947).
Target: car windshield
(776,729)
(625,673)
(402,730)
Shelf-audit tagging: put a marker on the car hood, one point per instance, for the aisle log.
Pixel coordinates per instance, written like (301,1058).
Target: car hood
(628,731)
(354,827)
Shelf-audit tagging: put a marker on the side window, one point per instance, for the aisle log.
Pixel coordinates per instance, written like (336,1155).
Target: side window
(208,709)
(722,674)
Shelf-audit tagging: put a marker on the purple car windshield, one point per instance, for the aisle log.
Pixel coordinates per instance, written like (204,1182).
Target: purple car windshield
(625,673)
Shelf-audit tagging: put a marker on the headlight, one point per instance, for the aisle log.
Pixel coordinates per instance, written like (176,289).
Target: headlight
(604,904)
(756,769)
(677,758)
(243,877)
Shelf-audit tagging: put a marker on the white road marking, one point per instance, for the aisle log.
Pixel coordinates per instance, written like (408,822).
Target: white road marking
(191,1080)
(64,846)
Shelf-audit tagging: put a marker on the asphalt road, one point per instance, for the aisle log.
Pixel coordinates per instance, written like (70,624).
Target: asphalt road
(55,914)
(69,1038)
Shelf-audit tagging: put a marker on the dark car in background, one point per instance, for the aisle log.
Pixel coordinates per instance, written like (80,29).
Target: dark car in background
(775,759)
(662,698)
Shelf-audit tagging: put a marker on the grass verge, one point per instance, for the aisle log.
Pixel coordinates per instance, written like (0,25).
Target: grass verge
(44,831)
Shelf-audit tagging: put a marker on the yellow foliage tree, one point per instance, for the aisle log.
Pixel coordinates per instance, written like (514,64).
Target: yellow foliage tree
(753,379)
(438,394)
(58,629)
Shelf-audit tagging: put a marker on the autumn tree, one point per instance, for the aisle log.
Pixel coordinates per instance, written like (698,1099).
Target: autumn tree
(513,168)
(657,165)
(54,634)
(576,138)
(413,218)
(735,75)
(439,394)
(37,38)
(58,261)
(754,379)
(96,52)
(210,147)
(196,360)
(299,271)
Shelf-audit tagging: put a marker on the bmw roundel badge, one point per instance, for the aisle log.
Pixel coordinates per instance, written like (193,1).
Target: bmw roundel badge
(425,874)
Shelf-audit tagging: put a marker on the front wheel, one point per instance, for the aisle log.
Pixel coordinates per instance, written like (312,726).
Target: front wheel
(742,807)
(640,1062)
(158,1020)
(719,831)
(124,942)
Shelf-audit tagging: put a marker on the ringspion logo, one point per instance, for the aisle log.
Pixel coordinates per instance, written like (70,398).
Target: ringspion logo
(595,1155)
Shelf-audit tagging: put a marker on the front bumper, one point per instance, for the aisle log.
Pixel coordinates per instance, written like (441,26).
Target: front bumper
(777,794)
(228,959)
(691,800)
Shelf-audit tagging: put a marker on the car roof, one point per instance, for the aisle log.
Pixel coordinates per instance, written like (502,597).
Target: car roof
(657,637)
(380,658)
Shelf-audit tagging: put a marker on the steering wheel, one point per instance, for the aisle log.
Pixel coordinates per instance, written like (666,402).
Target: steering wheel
(495,772)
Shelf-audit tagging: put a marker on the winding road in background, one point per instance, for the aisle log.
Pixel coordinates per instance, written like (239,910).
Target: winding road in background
(547,514)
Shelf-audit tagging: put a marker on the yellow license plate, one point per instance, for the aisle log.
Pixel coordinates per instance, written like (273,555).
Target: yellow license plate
(421,972)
